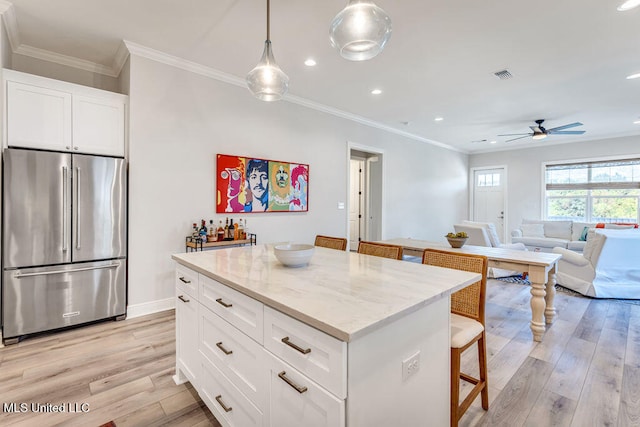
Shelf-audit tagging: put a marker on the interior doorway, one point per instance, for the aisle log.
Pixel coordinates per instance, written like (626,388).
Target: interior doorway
(489,203)
(364,220)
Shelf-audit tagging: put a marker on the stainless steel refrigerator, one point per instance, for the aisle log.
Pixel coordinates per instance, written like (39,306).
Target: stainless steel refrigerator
(64,240)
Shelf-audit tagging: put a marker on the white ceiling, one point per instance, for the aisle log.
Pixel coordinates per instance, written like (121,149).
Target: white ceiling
(569,58)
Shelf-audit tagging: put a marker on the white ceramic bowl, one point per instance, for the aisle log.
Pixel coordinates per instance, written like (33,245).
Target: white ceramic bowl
(293,255)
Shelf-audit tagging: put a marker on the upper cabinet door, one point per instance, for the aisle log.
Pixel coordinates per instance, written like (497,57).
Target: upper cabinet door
(98,125)
(38,117)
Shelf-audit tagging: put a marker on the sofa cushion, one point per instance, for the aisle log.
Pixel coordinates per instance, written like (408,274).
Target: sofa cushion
(557,229)
(541,242)
(576,245)
(490,228)
(577,230)
(532,230)
(593,246)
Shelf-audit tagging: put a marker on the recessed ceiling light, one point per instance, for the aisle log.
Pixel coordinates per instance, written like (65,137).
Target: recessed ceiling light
(492,142)
(628,5)
(376,92)
(439,119)
(633,76)
(310,62)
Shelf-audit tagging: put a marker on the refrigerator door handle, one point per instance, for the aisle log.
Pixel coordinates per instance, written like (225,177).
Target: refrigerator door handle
(77,207)
(65,204)
(47,273)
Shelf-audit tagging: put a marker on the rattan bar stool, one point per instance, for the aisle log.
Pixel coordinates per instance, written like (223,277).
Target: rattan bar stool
(380,249)
(338,243)
(467,326)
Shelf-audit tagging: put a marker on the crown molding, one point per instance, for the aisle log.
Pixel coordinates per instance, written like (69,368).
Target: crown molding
(122,54)
(184,64)
(10,23)
(61,59)
(174,61)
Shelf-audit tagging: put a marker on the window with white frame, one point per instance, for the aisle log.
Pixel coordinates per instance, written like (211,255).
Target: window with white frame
(488,180)
(601,191)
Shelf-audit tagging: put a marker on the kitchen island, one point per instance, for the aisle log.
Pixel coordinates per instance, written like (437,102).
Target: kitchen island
(349,339)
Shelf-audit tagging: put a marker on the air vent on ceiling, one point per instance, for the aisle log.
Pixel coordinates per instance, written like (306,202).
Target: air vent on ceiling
(503,74)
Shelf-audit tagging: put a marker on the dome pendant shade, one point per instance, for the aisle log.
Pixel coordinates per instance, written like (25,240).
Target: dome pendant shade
(360,31)
(267,81)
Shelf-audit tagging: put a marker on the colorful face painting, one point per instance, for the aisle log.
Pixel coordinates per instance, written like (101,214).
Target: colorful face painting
(230,180)
(257,185)
(300,190)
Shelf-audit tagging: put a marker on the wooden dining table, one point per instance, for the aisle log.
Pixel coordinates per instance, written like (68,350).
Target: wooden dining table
(540,266)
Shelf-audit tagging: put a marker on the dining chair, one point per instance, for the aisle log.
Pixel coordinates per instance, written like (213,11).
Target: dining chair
(380,249)
(331,242)
(467,326)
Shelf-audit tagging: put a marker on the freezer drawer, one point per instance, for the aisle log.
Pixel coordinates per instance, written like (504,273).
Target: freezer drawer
(41,299)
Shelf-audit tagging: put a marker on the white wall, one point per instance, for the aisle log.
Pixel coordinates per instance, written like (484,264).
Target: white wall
(179,121)
(525,180)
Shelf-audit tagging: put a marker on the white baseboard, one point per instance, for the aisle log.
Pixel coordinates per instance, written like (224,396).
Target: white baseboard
(137,310)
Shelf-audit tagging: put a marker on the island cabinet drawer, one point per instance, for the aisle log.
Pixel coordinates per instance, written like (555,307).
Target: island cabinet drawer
(314,353)
(241,311)
(236,355)
(230,407)
(187,280)
(296,401)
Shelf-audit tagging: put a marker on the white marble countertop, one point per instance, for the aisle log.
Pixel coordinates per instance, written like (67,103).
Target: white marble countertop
(343,294)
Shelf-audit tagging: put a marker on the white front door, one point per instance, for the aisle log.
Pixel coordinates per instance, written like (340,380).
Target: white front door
(356,203)
(488,197)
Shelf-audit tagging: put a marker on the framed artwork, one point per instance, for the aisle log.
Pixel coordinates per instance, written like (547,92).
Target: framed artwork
(246,184)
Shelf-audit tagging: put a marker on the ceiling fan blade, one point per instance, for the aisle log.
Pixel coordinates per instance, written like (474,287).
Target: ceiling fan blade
(568,132)
(536,129)
(515,134)
(572,125)
(526,136)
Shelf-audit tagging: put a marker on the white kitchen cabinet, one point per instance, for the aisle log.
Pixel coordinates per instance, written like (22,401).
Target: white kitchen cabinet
(295,400)
(264,363)
(54,115)
(98,124)
(38,117)
(187,332)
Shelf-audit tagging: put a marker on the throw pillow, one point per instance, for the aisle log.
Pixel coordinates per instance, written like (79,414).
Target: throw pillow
(532,230)
(619,226)
(583,236)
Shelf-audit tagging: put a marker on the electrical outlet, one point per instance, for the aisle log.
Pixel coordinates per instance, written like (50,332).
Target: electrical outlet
(410,366)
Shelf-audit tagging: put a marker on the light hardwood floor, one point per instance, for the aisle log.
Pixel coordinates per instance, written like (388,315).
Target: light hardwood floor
(586,372)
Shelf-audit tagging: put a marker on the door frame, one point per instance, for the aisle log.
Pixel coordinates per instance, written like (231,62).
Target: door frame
(374,151)
(505,200)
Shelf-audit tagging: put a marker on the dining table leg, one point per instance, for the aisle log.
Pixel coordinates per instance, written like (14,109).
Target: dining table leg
(550,310)
(538,279)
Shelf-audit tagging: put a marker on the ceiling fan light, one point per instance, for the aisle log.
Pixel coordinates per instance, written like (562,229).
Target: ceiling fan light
(360,31)
(628,5)
(539,135)
(267,81)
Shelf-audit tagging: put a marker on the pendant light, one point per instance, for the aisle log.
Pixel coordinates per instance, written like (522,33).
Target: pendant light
(267,81)
(360,31)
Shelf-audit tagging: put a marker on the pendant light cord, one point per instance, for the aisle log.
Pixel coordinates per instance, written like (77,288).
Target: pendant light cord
(268,27)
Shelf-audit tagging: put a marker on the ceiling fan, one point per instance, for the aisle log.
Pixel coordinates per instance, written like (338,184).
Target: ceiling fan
(539,132)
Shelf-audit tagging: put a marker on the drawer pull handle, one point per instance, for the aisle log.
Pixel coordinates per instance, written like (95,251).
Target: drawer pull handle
(183,280)
(224,350)
(299,389)
(292,345)
(224,304)
(219,400)
(182,298)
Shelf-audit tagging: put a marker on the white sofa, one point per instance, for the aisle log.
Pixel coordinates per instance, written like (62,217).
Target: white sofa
(543,236)
(485,234)
(608,266)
